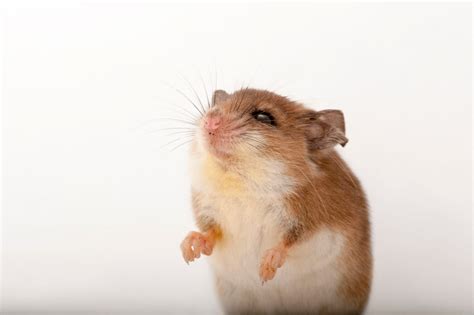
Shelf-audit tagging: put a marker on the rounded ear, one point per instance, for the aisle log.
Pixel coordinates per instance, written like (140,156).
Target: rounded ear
(219,96)
(325,129)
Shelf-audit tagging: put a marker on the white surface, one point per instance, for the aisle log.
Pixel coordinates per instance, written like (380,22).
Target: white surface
(94,209)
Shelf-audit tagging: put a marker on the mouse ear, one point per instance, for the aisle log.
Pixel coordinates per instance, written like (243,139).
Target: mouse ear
(325,129)
(219,96)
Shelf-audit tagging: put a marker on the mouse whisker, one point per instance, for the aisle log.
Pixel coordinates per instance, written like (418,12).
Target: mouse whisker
(165,129)
(176,119)
(215,76)
(253,142)
(186,97)
(181,144)
(173,106)
(175,140)
(248,137)
(185,132)
(242,96)
(173,128)
(205,91)
(253,146)
(185,113)
(195,93)
(147,122)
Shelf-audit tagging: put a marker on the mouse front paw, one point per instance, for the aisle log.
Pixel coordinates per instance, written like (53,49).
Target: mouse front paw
(194,244)
(273,259)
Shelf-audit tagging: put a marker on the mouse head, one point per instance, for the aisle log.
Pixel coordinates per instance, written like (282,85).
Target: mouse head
(250,124)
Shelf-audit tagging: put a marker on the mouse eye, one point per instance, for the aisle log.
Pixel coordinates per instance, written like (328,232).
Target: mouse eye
(264,117)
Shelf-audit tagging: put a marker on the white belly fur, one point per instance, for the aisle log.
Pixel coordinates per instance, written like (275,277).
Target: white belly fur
(310,277)
(308,280)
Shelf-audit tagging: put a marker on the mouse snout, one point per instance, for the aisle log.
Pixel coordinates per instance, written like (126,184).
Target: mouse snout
(212,123)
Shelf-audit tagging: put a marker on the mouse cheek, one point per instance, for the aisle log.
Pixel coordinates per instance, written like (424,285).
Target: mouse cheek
(252,143)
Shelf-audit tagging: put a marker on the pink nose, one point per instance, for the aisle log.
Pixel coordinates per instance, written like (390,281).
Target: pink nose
(212,123)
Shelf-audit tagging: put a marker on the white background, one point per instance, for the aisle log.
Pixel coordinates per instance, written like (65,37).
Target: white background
(94,207)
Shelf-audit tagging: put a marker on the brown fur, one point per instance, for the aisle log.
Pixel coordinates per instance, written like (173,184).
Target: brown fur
(327,195)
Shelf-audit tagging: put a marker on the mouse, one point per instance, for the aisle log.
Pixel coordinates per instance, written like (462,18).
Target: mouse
(282,217)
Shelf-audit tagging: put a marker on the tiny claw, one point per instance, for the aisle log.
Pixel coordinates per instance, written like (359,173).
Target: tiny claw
(195,244)
(272,260)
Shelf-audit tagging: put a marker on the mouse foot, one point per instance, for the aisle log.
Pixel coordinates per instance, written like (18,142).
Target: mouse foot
(194,244)
(273,259)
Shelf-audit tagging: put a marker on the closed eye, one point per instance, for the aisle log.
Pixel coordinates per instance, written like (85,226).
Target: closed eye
(264,117)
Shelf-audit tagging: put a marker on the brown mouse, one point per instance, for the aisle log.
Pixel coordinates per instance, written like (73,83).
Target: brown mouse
(282,217)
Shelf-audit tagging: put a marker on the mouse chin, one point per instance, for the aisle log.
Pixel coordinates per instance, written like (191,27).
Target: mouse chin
(221,155)
(233,146)
(219,149)
(224,146)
